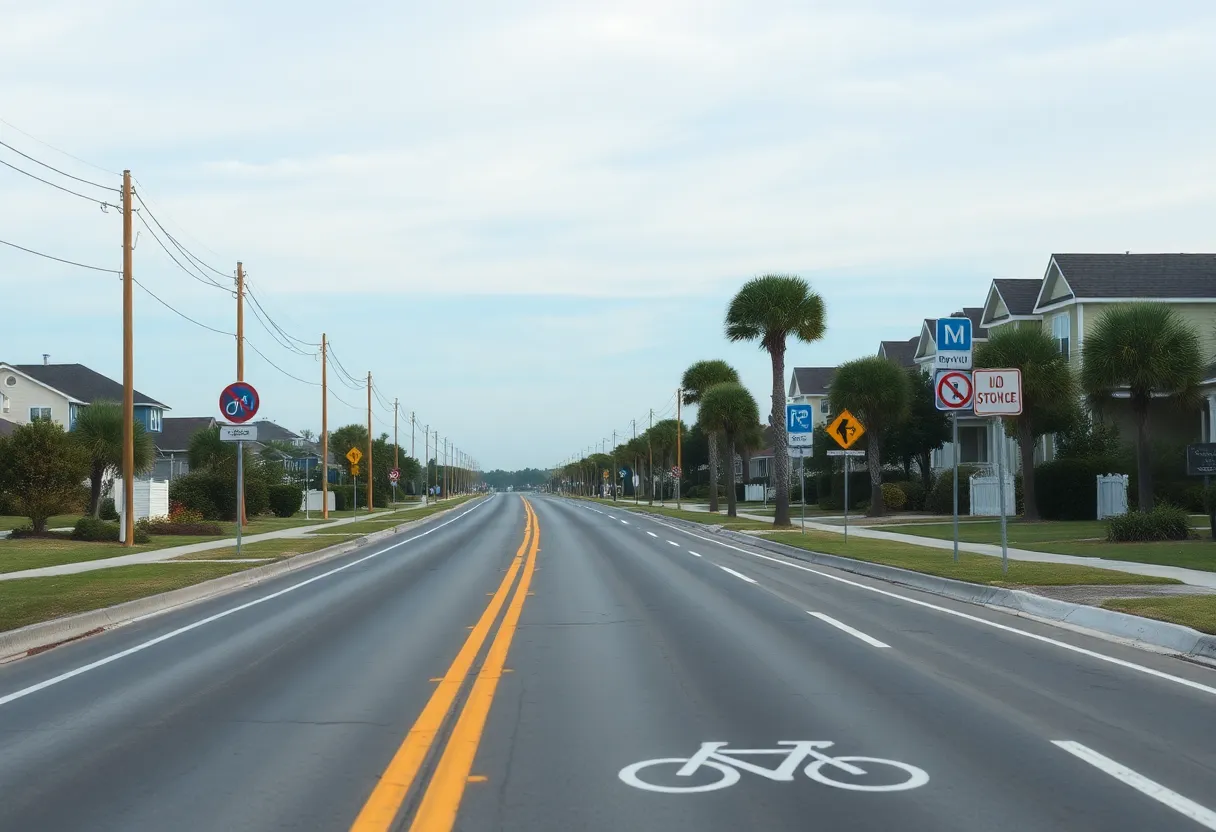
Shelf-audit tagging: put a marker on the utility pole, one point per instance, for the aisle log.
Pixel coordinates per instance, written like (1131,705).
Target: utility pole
(240,373)
(369,442)
(444,487)
(426,452)
(650,453)
(128,366)
(324,433)
(412,456)
(396,451)
(615,476)
(679,457)
(635,460)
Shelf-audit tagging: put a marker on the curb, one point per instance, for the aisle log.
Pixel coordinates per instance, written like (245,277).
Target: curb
(1174,638)
(37,638)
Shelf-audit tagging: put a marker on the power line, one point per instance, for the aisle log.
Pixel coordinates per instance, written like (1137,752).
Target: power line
(278,339)
(249,291)
(57,150)
(198,261)
(181,314)
(86,197)
(60,259)
(203,279)
(280,369)
(139,195)
(60,172)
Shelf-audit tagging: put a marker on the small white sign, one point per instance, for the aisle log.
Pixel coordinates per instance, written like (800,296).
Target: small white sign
(238,433)
(952,361)
(800,451)
(846,453)
(997,392)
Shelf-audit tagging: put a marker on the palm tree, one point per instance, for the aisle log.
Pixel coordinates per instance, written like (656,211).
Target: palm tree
(98,430)
(207,449)
(1150,351)
(1049,391)
(769,309)
(663,443)
(697,379)
(728,408)
(876,391)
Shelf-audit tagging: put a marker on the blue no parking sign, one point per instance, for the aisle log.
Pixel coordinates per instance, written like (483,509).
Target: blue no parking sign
(239,402)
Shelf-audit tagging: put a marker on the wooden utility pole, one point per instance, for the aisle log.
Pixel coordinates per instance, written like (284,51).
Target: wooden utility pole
(426,452)
(369,441)
(128,365)
(396,450)
(324,433)
(412,456)
(679,457)
(240,361)
(650,454)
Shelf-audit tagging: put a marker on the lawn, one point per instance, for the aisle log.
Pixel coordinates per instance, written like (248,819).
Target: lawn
(60,521)
(30,600)
(980,569)
(703,517)
(1197,611)
(1083,538)
(34,553)
(275,548)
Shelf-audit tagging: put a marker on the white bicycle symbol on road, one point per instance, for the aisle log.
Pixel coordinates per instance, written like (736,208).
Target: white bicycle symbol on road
(821,768)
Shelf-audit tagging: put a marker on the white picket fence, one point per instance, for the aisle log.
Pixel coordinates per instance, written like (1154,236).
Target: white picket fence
(986,499)
(151,498)
(1112,495)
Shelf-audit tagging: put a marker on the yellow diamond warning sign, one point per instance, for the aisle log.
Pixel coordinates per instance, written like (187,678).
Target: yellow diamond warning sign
(846,430)
(354,455)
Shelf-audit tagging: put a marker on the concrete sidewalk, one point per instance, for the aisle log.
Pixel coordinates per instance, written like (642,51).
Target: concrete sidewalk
(171,552)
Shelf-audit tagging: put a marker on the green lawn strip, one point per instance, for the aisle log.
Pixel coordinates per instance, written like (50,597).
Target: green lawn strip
(277,548)
(59,521)
(37,552)
(1188,554)
(30,600)
(703,517)
(980,569)
(1196,611)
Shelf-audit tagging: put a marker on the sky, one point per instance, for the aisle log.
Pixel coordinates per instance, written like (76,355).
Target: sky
(526,219)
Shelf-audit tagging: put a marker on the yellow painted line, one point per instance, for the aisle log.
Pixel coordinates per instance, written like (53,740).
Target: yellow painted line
(381,808)
(437,813)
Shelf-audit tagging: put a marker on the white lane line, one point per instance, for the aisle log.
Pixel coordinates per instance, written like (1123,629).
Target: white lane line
(738,575)
(1184,806)
(840,625)
(1139,668)
(609,516)
(694,554)
(63,677)
(652,534)
(626,522)
(673,543)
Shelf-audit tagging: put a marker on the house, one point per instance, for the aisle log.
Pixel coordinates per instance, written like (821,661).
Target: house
(809,385)
(902,353)
(59,391)
(173,445)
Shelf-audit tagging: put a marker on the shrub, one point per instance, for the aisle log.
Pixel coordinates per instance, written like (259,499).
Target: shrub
(1067,489)
(180,514)
(205,492)
(940,499)
(893,496)
(1164,522)
(833,497)
(28,531)
(104,531)
(284,499)
(166,525)
(108,511)
(914,495)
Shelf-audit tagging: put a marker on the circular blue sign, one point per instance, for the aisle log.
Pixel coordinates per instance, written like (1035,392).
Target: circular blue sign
(239,402)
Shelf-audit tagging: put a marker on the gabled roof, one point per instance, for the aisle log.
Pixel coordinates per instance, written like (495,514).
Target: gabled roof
(812,381)
(1134,276)
(926,342)
(1011,298)
(78,382)
(176,432)
(902,353)
(268,431)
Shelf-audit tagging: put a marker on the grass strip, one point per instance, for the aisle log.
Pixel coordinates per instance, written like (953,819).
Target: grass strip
(277,548)
(1196,611)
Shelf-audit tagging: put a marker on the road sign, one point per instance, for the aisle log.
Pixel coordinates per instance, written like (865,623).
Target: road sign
(354,455)
(800,452)
(636,480)
(624,473)
(238,433)
(675,470)
(239,402)
(394,474)
(354,470)
(953,344)
(845,429)
(799,424)
(952,390)
(605,475)
(1201,459)
(846,453)
(998,392)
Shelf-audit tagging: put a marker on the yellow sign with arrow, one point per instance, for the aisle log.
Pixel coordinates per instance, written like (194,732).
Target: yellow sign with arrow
(846,429)
(354,455)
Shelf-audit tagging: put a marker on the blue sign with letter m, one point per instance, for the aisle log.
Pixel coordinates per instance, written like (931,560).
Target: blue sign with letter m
(954,335)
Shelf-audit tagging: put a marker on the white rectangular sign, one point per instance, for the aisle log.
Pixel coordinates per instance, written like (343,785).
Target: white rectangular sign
(238,433)
(846,453)
(800,452)
(952,344)
(997,392)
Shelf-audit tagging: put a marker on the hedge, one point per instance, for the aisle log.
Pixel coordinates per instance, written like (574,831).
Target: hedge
(914,495)
(285,499)
(103,531)
(893,496)
(1165,522)
(831,489)
(1067,489)
(212,493)
(940,499)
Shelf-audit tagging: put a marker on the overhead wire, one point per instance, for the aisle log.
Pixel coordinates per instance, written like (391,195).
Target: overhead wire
(49,146)
(60,172)
(185,252)
(278,339)
(180,313)
(201,278)
(249,292)
(60,259)
(143,201)
(86,197)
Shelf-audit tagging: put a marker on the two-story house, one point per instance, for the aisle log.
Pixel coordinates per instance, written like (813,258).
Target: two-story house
(59,392)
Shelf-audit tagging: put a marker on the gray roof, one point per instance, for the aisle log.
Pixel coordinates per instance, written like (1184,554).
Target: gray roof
(813,381)
(1019,293)
(902,353)
(175,432)
(81,383)
(975,313)
(6,427)
(1139,275)
(268,431)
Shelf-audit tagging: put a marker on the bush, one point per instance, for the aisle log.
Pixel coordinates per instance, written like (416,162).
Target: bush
(285,500)
(1165,522)
(108,512)
(1067,489)
(940,499)
(914,495)
(103,531)
(833,496)
(893,496)
(180,514)
(205,492)
(698,492)
(28,531)
(167,525)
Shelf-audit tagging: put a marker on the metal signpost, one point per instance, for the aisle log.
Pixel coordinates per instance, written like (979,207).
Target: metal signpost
(353,456)
(394,475)
(998,393)
(239,402)
(800,427)
(953,391)
(846,430)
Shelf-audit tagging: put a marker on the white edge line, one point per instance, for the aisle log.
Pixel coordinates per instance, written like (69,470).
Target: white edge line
(63,677)
(959,614)
(738,575)
(1184,806)
(840,625)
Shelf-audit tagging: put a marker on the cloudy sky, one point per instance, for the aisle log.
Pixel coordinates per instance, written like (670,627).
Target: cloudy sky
(526,218)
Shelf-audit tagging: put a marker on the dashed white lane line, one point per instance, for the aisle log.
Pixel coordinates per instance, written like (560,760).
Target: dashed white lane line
(840,625)
(626,522)
(609,516)
(1184,806)
(694,554)
(652,534)
(673,543)
(738,575)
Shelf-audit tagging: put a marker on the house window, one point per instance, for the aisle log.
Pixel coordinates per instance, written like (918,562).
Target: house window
(1061,330)
(825,407)
(154,420)
(40,414)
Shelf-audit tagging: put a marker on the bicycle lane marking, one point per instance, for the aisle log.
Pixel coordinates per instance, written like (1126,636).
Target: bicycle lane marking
(63,677)
(1159,674)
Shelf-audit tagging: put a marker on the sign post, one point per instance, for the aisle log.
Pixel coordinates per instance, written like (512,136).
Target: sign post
(353,456)
(846,430)
(1201,462)
(239,402)
(998,393)
(800,427)
(953,391)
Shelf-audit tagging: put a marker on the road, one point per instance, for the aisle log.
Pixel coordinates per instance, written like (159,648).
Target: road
(516,664)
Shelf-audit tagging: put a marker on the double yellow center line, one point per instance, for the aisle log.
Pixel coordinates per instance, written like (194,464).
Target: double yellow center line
(441,800)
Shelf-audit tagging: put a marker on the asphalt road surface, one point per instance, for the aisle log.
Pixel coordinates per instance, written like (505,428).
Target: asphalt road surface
(535,663)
